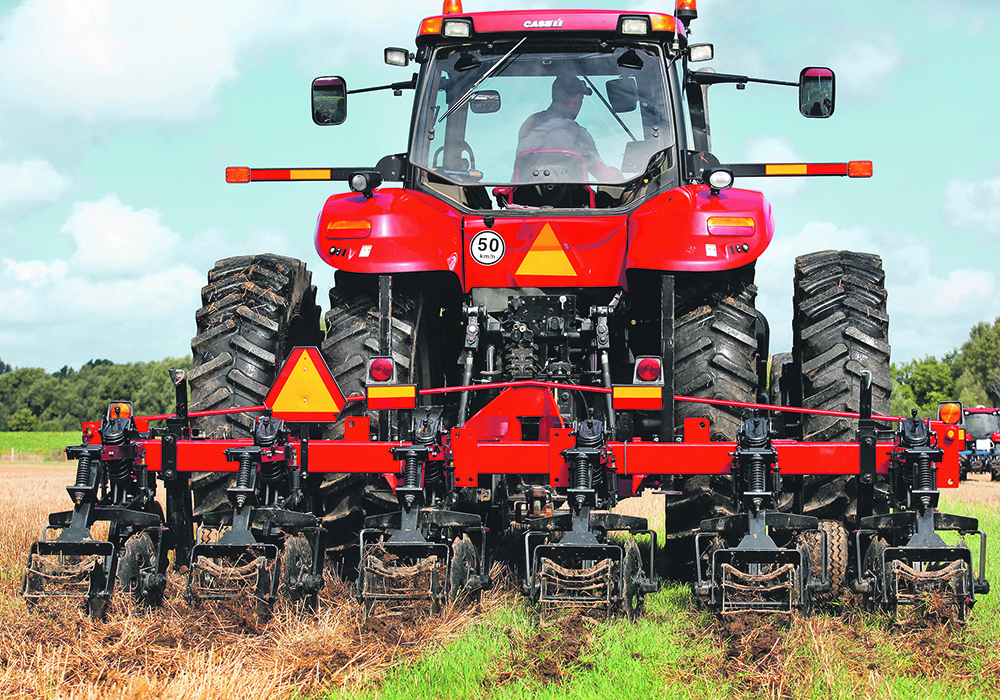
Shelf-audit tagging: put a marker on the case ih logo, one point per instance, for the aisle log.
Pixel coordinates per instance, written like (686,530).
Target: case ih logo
(542,23)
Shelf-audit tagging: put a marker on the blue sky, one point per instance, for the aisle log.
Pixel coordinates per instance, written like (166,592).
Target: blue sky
(118,118)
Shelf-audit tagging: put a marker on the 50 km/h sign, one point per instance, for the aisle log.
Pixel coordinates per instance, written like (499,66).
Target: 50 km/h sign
(487,247)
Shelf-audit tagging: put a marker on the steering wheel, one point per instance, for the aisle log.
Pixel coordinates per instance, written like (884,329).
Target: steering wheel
(463,147)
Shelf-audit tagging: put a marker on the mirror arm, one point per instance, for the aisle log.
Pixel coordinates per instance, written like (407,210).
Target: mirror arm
(717,78)
(395,87)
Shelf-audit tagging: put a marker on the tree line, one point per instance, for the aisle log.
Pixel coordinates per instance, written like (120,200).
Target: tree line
(33,399)
(970,374)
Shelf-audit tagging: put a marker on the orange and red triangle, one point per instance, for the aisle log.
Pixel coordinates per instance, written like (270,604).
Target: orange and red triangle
(305,390)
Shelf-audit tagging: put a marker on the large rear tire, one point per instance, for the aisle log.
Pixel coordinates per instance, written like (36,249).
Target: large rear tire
(255,309)
(352,338)
(715,356)
(841,329)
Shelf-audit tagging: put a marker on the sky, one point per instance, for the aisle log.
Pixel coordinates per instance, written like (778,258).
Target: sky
(119,117)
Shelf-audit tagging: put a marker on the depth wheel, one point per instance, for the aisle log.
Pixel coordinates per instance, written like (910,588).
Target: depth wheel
(840,329)
(256,308)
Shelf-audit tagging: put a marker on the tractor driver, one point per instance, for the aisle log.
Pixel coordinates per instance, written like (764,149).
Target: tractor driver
(556,129)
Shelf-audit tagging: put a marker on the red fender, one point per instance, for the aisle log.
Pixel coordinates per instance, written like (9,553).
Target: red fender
(671,231)
(395,230)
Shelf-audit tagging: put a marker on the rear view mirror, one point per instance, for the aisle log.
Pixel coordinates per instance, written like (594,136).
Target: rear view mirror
(623,94)
(329,100)
(816,92)
(485,102)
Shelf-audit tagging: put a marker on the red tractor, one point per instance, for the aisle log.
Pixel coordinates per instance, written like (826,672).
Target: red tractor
(982,442)
(558,291)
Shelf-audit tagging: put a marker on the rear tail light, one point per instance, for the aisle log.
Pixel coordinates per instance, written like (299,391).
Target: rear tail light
(995,437)
(237,174)
(380,369)
(648,369)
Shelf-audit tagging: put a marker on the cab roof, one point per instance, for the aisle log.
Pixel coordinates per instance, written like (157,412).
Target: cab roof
(658,26)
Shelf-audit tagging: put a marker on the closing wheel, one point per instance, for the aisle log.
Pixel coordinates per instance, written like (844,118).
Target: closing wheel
(256,308)
(297,584)
(464,567)
(836,557)
(138,572)
(633,595)
(873,571)
(840,330)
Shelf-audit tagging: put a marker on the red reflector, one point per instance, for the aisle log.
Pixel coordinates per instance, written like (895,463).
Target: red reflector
(648,369)
(381,369)
(237,174)
(859,168)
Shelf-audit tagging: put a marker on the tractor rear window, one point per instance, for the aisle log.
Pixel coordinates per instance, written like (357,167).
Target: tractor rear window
(544,118)
(982,425)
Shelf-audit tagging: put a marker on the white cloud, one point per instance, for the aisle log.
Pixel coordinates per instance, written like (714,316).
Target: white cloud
(114,238)
(30,181)
(931,310)
(865,69)
(138,59)
(973,204)
(146,59)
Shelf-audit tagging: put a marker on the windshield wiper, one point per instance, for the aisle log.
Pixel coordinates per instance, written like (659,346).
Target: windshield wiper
(613,113)
(492,69)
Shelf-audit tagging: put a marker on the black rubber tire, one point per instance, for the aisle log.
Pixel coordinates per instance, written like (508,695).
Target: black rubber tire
(840,329)
(837,553)
(778,361)
(256,308)
(352,328)
(716,352)
(714,359)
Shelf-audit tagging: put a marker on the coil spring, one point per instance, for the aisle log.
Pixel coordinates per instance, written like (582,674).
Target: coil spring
(434,474)
(83,471)
(271,472)
(411,471)
(924,476)
(246,467)
(758,474)
(119,470)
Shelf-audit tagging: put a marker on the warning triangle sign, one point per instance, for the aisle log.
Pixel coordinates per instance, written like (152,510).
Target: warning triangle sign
(546,257)
(305,390)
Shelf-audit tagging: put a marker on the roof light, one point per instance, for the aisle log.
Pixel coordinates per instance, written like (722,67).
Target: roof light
(950,413)
(662,23)
(731,226)
(460,28)
(380,369)
(701,52)
(686,10)
(634,25)
(431,25)
(859,168)
(397,57)
(238,174)
(452,7)
(648,369)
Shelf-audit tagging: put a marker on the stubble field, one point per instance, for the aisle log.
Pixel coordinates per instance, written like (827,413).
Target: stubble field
(501,648)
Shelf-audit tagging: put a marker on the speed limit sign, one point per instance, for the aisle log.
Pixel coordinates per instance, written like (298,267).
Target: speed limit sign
(487,247)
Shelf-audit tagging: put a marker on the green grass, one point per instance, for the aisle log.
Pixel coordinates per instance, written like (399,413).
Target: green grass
(48,446)
(680,651)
